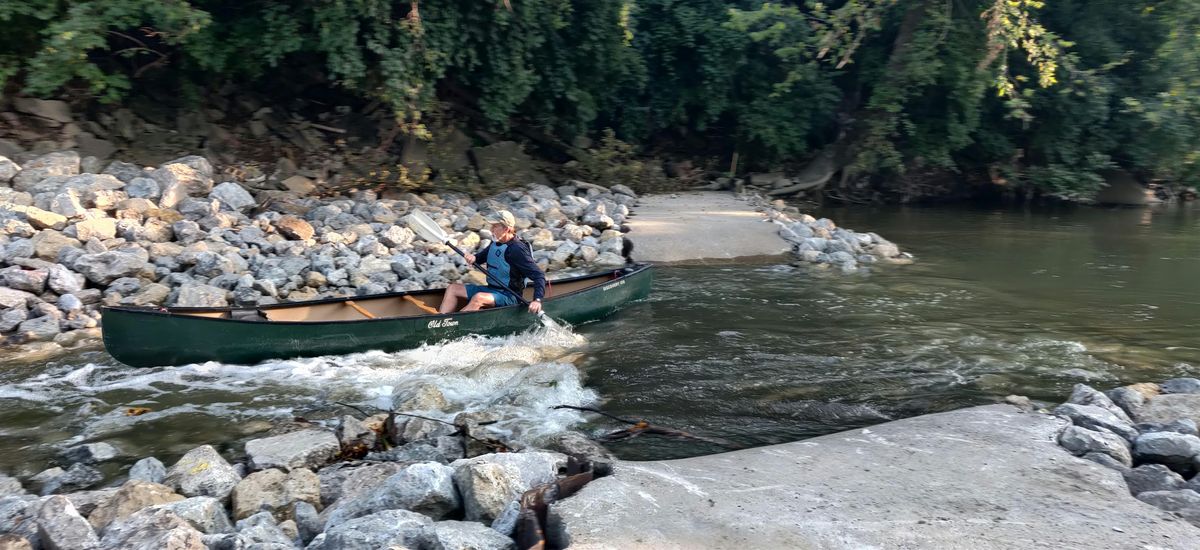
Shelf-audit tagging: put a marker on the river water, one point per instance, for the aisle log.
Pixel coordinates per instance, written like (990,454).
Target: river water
(999,302)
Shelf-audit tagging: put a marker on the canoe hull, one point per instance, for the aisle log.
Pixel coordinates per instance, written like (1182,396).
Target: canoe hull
(143,337)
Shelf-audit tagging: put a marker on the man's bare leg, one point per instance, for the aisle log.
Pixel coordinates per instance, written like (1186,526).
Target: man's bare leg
(454,293)
(480,301)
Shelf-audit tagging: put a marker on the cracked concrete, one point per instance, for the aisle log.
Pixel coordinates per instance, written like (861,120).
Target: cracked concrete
(980,478)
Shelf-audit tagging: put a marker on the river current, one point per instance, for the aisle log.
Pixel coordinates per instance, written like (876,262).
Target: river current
(999,302)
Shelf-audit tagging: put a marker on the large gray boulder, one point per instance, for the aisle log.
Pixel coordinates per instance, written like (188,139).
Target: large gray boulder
(1096,418)
(200,295)
(60,527)
(8,170)
(18,515)
(262,531)
(29,280)
(233,196)
(53,164)
(1181,385)
(386,529)
(1184,502)
(1083,394)
(1152,477)
(274,491)
(75,478)
(1174,450)
(133,496)
(1170,407)
(62,280)
(106,267)
(469,535)
(41,328)
(303,449)
(1081,441)
(153,528)
(179,181)
(205,514)
(347,480)
(203,472)
(427,488)
(487,489)
(148,469)
(10,486)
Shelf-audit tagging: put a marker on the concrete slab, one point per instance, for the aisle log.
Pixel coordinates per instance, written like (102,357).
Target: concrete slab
(698,226)
(978,478)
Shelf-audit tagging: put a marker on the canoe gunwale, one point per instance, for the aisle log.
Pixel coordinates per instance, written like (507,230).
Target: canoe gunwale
(181,312)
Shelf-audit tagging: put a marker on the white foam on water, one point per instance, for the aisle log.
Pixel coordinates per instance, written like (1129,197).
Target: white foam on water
(519,377)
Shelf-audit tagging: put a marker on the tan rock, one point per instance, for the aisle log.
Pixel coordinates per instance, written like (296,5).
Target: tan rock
(134,495)
(44,219)
(100,228)
(48,243)
(275,491)
(13,541)
(1149,390)
(300,185)
(295,228)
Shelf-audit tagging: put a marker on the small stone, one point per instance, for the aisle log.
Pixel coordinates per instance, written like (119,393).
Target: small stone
(91,453)
(294,228)
(148,469)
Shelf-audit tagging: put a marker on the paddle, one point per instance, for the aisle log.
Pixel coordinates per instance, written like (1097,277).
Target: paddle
(429,230)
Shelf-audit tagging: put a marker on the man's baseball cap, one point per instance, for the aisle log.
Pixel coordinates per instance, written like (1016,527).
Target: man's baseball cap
(503,217)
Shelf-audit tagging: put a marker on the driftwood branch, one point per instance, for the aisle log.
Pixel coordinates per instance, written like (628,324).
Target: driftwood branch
(640,427)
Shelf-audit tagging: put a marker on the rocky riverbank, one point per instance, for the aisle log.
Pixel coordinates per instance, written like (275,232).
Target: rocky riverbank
(1148,433)
(79,233)
(389,480)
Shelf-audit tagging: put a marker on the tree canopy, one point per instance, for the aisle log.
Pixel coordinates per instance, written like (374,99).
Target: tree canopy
(1045,95)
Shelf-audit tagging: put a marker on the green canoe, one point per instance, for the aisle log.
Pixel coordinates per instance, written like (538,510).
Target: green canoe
(148,337)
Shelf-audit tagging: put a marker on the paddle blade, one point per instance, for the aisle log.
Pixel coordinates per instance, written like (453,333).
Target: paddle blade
(425,227)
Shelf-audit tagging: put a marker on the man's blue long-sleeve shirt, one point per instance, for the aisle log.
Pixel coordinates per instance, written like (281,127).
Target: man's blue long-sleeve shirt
(521,266)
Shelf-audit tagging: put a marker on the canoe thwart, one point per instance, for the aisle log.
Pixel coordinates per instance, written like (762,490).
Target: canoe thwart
(359,309)
(420,305)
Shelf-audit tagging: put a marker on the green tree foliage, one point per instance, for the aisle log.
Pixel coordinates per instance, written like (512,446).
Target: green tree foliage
(1047,93)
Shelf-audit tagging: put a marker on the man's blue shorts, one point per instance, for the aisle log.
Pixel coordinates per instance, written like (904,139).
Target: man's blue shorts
(502,297)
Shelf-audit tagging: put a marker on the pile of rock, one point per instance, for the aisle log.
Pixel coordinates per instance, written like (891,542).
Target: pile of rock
(78,234)
(437,485)
(1148,432)
(823,244)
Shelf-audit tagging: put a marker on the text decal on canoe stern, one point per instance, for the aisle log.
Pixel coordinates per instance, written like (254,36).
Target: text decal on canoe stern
(442,323)
(607,288)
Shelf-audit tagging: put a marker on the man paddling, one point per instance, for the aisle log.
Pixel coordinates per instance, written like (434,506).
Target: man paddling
(509,262)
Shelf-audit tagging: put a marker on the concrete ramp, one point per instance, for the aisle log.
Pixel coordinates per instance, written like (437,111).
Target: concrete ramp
(980,478)
(699,226)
